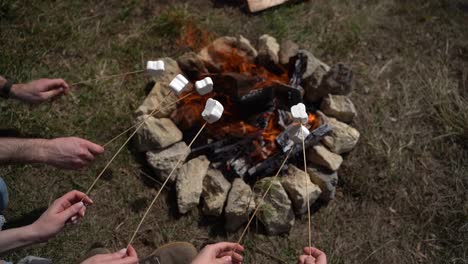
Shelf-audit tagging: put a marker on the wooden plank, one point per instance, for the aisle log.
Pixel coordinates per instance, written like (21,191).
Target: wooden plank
(259,5)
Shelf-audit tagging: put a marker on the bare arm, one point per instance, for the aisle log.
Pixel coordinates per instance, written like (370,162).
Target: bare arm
(17,238)
(22,150)
(36,91)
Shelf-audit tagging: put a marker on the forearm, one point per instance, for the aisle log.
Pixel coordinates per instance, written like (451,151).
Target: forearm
(17,238)
(22,150)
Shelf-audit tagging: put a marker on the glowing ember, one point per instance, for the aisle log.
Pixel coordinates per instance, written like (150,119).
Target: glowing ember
(233,123)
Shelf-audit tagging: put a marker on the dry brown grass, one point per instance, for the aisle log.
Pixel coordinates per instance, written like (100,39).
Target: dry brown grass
(402,195)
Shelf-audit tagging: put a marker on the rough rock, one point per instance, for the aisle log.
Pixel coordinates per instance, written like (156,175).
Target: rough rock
(268,49)
(160,90)
(156,133)
(246,46)
(276,212)
(163,161)
(340,107)
(313,76)
(343,138)
(240,204)
(213,54)
(189,183)
(320,155)
(215,192)
(294,184)
(327,181)
(338,80)
(288,50)
(191,64)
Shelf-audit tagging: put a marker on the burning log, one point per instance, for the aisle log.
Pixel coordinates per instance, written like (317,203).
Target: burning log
(272,164)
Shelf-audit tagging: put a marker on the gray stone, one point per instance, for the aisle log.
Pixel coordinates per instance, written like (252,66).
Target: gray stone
(313,76)
(160,91)
(288,50)
(156,133)
(189,183)
(214,54)
(275,212)
(240,203)
(294,182)
(320,155)
(340,107)
(338,80)
(327,181)
(163,161)
(268,49)
(191,64)
(215,192)
(246,46)
(343,138)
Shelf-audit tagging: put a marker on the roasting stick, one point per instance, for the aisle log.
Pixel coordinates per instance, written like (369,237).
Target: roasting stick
(153,68)
(263,198)
(212,113)
(123,145)
(155,113)
(202,87)
(107,77)
(164,185)
(307,190)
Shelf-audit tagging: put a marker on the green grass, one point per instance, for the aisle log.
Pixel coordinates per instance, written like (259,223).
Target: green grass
(402,193)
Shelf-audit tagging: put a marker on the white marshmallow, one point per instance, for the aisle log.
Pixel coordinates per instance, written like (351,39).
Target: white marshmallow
(155,68)
(204,86)
(213,111)
(296,132)
(179,83)
(299,113)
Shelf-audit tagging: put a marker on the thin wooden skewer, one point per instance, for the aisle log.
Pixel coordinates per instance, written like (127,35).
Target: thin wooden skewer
(307,190)
(164,185)
(155,113)
(263,197)
(123,145)
(107,77)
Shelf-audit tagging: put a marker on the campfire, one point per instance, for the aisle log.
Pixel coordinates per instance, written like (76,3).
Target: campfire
(229,165)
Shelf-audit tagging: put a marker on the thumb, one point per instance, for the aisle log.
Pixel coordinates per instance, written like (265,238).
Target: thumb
(309,260)
(224,260)
(71,211)
(51,93)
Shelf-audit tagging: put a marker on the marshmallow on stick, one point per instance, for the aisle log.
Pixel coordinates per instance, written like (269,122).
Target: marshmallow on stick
(213,111)
(179,83)
(299,113)
(155,68)
(204,86)
(297,132)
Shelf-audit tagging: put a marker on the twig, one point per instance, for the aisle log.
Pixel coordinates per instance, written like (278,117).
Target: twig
(151,114)
(263,197)
(121,147)
(307,190)
(164,185)
(107,77)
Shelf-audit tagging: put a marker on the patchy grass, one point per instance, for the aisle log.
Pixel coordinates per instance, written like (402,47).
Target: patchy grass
(402,196)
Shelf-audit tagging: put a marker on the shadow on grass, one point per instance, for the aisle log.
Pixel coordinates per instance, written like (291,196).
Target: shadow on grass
(25,219)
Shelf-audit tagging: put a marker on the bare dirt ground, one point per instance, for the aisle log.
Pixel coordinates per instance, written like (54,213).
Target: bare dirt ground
(402,194)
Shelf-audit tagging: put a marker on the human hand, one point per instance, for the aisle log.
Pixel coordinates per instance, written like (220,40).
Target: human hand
(70,152)
(220,253)
(62,210)
(38,91)
(312,256)
(124,256)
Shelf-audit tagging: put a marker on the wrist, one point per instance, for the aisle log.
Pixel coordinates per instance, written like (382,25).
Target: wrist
(15,90)
(6,88)
(42,150)
(30,234)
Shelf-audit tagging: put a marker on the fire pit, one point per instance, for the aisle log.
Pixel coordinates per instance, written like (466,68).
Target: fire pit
(230,166)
